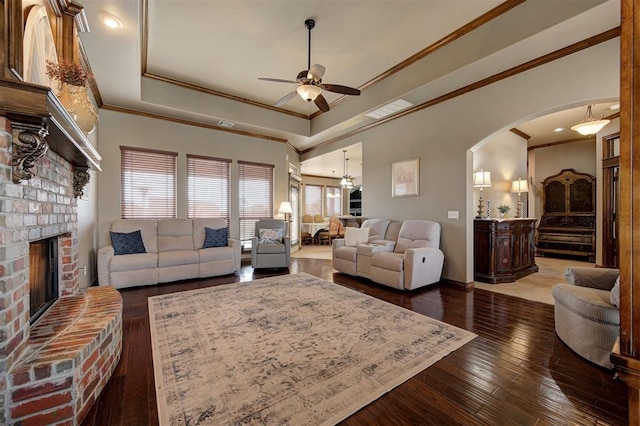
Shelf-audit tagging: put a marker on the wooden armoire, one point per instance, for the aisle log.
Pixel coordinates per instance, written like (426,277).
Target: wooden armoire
(568,222)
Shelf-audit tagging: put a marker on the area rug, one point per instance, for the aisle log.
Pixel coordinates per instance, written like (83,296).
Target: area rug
(292,349)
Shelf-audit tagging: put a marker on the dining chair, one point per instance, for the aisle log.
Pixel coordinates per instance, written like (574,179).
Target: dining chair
(334,227)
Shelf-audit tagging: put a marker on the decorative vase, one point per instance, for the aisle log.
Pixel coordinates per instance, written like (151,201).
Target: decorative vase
(76,101)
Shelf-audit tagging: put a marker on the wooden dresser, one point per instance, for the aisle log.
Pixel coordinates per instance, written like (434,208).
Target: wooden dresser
(503,249)
(568,222)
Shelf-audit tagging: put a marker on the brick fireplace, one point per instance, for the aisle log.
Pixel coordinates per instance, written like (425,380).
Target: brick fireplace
(53,370)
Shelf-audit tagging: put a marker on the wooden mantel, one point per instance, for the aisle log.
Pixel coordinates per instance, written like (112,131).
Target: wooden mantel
(33,106)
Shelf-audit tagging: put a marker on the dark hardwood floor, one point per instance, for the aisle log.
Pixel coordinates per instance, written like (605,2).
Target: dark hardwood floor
(516,371)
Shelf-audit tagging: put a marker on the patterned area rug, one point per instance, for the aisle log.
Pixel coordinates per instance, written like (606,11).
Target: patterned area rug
(292,349)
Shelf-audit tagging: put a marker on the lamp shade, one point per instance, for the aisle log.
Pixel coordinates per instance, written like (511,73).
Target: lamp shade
(520,185)
(481,179)
(589,125)
(308,92)
(285,207)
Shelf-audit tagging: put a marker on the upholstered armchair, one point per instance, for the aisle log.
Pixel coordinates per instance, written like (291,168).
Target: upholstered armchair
(270,247)
(416,260)
(587,316)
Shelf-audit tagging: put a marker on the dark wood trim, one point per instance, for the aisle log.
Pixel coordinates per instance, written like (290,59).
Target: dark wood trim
(627,357)
(15,33)
(609,204)
(451,37)
(190,123)
(458,284)
(542,60)
(520,133)
(460,32)
(221,94)
(612,116)
(566,141)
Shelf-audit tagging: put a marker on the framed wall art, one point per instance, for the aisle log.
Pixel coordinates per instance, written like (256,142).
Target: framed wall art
(405,178)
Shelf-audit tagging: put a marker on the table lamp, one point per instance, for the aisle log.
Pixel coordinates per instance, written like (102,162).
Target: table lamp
(285,208)
(481,180)
(519,186)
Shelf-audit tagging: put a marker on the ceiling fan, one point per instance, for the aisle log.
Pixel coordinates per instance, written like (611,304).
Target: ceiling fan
(310,83)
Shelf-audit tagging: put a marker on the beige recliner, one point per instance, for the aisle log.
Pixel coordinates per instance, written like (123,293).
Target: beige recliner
(344,256)
(586,320)
(416,260)
(270,247)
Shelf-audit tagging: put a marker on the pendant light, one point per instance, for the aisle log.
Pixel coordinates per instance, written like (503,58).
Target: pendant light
(589,125)
(332,194)
(346,182)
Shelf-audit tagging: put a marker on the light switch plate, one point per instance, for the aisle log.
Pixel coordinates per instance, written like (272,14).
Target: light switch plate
(453,214)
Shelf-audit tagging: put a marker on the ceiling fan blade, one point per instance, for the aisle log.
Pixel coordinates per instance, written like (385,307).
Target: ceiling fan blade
(286,98)
(341,89)
(277,80)
(316,72)
(321,103)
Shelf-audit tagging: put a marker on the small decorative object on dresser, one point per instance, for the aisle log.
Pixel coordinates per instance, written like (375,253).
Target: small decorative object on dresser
(504,210)
(568,222)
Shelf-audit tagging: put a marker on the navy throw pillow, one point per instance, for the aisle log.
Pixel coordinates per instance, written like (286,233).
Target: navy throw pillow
(127,243)
(215,237)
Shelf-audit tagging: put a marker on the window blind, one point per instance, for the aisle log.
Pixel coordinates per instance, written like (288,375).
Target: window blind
(334,202)
(256,197)
(313,199)
(147,183)
(208,189)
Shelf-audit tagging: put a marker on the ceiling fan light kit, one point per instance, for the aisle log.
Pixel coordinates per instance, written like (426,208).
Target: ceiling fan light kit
(308,92)
(589,125)
(309,81)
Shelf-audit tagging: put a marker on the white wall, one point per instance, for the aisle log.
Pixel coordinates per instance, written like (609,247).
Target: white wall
(442,135)
(505,156)
(87,227)
(118,129)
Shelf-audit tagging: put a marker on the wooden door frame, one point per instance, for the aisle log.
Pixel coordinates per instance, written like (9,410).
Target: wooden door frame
(609,163)
(626,356)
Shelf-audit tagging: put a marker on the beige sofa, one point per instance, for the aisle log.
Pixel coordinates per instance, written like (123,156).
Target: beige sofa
(174,251)
(406,258)
(586,316)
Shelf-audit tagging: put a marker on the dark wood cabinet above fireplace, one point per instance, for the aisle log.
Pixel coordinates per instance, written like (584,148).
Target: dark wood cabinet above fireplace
(32,107)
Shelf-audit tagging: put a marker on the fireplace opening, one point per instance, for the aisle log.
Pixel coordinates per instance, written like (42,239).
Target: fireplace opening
(43,276)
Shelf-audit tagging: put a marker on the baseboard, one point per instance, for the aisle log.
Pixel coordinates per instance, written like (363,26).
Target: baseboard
(458,284)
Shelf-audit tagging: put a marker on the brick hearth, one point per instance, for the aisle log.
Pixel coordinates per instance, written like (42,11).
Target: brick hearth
(33,375)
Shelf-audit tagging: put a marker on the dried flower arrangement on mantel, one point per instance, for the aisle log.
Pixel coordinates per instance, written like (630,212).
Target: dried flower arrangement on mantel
(71,89)
(67,72)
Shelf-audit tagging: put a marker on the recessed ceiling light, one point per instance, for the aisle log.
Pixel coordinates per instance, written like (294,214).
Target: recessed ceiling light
(558,129)
(110,20)
(614,107)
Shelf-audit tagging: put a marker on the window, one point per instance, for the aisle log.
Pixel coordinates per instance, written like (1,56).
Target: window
(334,202)
(208,193)
(256,197)
(147,183)
(312,200)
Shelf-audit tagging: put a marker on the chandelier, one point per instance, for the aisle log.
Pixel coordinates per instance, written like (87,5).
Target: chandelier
(346,181)
(332,194)
(589,125)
